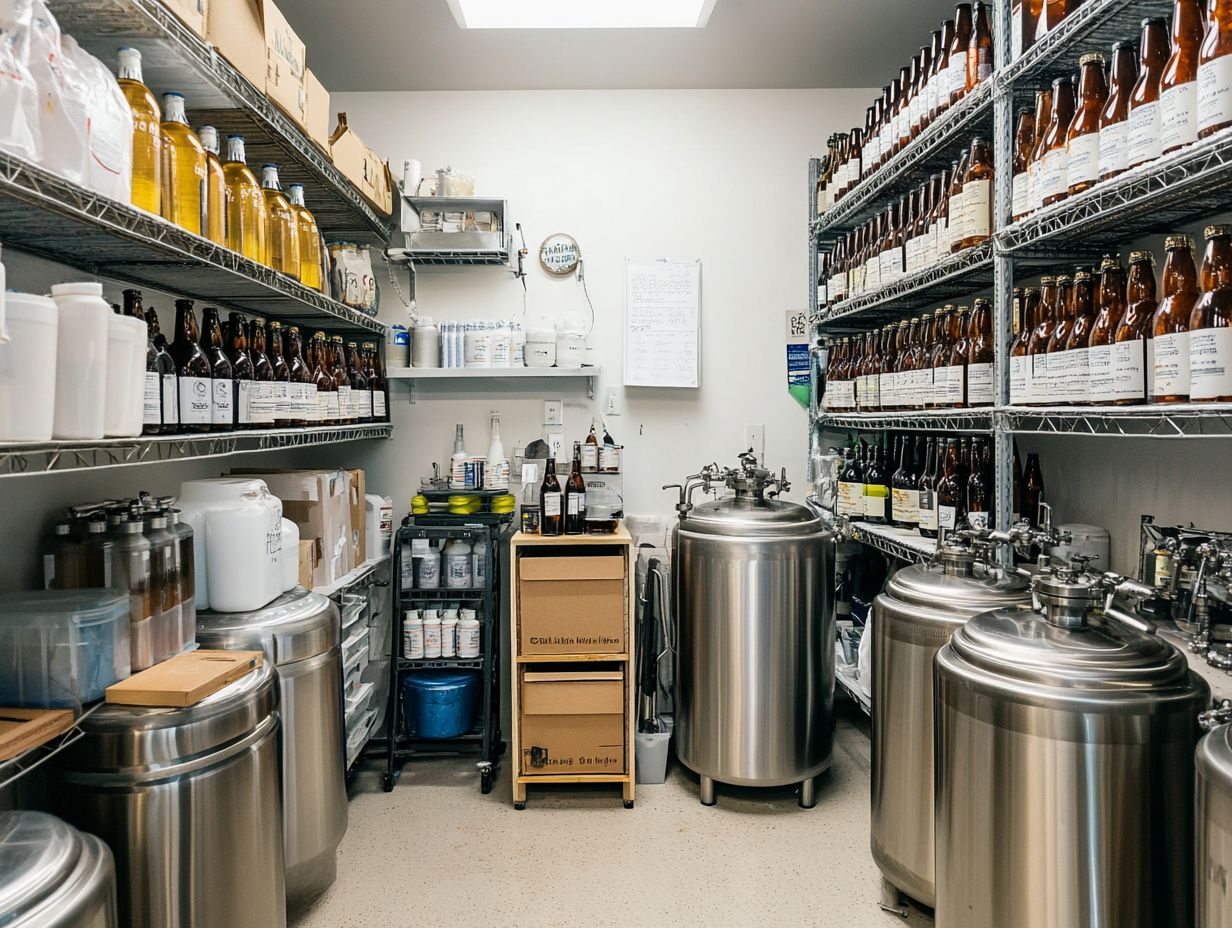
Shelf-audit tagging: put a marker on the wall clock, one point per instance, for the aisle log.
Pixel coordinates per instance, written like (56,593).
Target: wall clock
(559,254)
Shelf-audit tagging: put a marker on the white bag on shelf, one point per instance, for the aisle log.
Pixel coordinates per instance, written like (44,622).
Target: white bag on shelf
(62,105)
(109,137)
(19,98)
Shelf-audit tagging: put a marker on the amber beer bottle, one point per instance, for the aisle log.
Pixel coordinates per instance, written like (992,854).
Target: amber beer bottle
(977,197)
(1053,181)
(1082,170)
(192,370)
(1051,15)
(551,502)
(902,115)
(280,389)
(1020,363)
(1024,19)
(575,495)
(361,386)
(1178,88)
(376,383)
(1110,310)
(1168,350)
(915,106)
(266,387)
(1129,352)
(959,49)
(939,356)
(981,385)
(1058,371)
(302,389)
(956,374)
(979,488)
(1078,345)
(1210,335)
(169,401)
(1024,142)
(222,394)
(326,393)
(1144,117)
(931,83)
(951,495)
(342,380)
(979,51)
(1114,119)
(1215,70)
(1037,345)
(939,96)
(1035,168)
(243,373)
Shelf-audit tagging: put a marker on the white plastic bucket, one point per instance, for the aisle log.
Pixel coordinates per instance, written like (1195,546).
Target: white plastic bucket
(81,360)
(28,369)
(124,413)
(570,350)
(541,348)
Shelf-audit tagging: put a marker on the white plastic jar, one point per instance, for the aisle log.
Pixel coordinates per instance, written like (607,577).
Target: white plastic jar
(459,574)
(412,636)
(502,345)
(432,636)
(425,344)
(428,569)
(28,369)
(81,360)
(517,342)
(449,634)
(541,348)
(125,406)
(478,345)
(468,635)
(570,349)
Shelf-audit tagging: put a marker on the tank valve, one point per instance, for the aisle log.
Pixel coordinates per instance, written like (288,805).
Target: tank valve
(1213,718)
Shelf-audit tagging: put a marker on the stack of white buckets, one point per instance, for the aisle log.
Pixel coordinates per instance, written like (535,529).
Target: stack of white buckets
(70,368)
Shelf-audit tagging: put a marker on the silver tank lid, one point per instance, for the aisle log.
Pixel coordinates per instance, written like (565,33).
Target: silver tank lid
(1215,757)
(951,583)
(128,741)
(44,862)
(735,515)
(294,627)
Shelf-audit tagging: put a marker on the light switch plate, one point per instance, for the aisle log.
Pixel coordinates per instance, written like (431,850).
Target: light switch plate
(611,402)
(553,412)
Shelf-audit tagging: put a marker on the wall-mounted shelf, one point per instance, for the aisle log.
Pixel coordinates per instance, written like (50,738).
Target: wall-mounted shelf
(60,456)
(421,258)
(174,58)
(480,374)
(971,421)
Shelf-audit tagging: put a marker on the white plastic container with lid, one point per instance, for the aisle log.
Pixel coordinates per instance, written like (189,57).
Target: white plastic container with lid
(541,348)
(570,348)
(81,360)
(478,345)
(125,407)
(28,368)
(459,574)
(517,342)
(432,636)
(468,635)
(425,344)
(449,633)
(290,555)
(413,636)
(428,569)
(378,525)
(502,345)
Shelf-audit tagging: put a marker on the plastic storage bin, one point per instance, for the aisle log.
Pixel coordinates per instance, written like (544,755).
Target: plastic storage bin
(61,647)
(28,369)
(440,704)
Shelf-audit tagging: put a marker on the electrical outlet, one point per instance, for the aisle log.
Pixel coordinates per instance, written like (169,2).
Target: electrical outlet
(755,438)
(553,412)
(611,402)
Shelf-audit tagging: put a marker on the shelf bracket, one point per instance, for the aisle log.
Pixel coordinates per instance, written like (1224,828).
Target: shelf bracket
(412,390)
(590,388)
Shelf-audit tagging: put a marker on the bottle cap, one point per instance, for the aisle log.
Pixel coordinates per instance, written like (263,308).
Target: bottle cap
(1136,257)
(1091,58)
(1048,281)
(1220,231)
(1178,241)
(1064,280)
(1082,277)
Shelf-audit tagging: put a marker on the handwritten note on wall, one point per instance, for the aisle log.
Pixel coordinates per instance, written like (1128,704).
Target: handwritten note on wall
(663,322)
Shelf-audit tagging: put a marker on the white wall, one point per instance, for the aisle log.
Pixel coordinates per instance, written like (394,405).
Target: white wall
(718,175)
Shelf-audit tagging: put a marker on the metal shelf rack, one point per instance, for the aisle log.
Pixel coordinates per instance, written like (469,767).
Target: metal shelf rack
(967,421)
(14,768)
(1187,420)
(62,456)
(445,258)
(175,58)
(901,543)
(932,150)
(47,215)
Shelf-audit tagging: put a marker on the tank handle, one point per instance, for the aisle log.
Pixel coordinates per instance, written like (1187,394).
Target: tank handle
(1121,586)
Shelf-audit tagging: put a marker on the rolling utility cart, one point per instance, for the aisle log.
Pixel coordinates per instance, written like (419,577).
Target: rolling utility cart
(574,682)
(418,536)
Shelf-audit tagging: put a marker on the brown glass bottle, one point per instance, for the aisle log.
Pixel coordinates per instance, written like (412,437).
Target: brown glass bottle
(979,488)
(956,366)
(981,383)
(939,96)
(304,408)
(169,403)
(1078,345)
(266,388)
(957,213)
(1035,168)
(1210,323)
(1178,88)
(1109,311)
(192,369)
(907,359)
(1144,117)
(152,400)
(1053,185)
(1037,345)
(1114,120)
(1129,356)
(902,117)
(342,380)
(243,399)
(1024,144)
(938,358)
(1024,20)
(575,495)
(1215,70)
(1032,489)
(1064,318)
(551,502)
(1082,169)
(979,51)
(959,47)
(1051,15)
(222,394)
(322,379)
(977,197)
(951,494)
(1168,350)
(361,393)
(915,106)
(930,78)
(376,383)
(1020,363)
(280,389)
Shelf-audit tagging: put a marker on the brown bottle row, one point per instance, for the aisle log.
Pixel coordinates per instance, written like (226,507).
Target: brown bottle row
(256,376)
(949,212)
(1031,20)
(1172,90)
(958,57)
(1094,338)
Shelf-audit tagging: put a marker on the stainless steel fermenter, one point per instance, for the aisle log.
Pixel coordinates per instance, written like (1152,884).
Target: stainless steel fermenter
(1065,765)
(1214,823)
(755,650)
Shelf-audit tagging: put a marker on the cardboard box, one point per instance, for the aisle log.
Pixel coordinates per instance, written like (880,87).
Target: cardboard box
(234,28)
(307,563)
(319,503)
(359,518)
(317,122)
(193,13)
(286,60)
(362,166)
(572,605)
(573,722)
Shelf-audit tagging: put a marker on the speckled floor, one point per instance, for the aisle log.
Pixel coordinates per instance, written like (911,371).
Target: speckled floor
(435,852)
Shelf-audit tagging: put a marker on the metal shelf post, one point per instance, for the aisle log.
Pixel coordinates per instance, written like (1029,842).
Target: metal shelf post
(1003,267)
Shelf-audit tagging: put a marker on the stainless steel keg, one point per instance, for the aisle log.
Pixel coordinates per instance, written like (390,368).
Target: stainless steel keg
(922,606)
(299,634)
(188,800)
(1215,828)
(1065,766)
(53,876)
(755,652)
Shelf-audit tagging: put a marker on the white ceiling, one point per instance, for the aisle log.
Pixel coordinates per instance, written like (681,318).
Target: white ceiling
(363,45)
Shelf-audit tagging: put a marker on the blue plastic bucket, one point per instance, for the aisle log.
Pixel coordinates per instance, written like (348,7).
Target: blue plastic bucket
(440,704)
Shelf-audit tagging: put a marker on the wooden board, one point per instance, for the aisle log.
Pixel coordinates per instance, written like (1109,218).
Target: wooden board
(184,680)
(23,730)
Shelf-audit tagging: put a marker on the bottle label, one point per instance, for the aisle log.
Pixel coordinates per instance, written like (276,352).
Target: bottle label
(575,504)
(551,504)
(977,520)
(875,497)
(1033,185)
(1144,131)
(916,109)
(243,402)
(922,387)
(1040,390)
(1129,371)
(1078,375)
(906,505)
(983,64)
(1178,116)
(927,510)
(1210,364)
(1022,189)
(1215,93)
(1019,369)
(171,401)
(152,399)
(947,517)
(279,398)
(341,404)
(1102,382)
(378,404)
(1083,167)
(958,72)
(977,209)
(1170,364)
(223,412)
(1114,148)
(321,410)
(950,384)
(850,499)
(957,223)
(196,401)
(981,390)
(1053,179)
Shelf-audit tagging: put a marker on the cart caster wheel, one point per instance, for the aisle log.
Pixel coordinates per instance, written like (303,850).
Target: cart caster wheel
(485,784)
(389,784)
(519,806)
(628,803)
